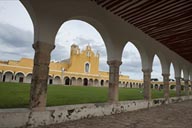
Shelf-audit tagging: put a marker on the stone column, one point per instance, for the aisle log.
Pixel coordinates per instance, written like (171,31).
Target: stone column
(186,87)
(166,86)
(178,86)
(113,80)
(147,84)
(38,92)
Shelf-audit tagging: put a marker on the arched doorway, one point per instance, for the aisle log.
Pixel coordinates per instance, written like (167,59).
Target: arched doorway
(127,85)
(156,86)
(50,80)
(131,86)
(79,81)
(67,80)
(91,82)
(28,78)
(57,80)
(19,77)
(73,81)
(8,76)
(102,82)
(85,82)
(96,82)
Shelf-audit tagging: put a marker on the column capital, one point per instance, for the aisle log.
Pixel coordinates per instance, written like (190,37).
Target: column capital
(115,63)
(178,77)
(146,70)
(39,46)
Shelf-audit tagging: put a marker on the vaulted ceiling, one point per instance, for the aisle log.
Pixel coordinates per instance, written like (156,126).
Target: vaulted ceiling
(167,21)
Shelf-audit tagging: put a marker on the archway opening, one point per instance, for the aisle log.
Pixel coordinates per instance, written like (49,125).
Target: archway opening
(96,82)
(8,76)
(85,82)
(79,81)
(131,86)
(67,80)
(50,80)
(91,82)
(80,40)
(73,81)
(57,80)
(182,81)
(172,78)
(28,78)
(16,35)
(156,75)
(131,63)
(102,82)
(19,77)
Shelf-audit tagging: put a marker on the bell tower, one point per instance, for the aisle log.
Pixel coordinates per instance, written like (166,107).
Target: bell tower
(74,50)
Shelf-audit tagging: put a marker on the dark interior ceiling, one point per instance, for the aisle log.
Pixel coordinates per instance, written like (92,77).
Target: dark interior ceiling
(167,21)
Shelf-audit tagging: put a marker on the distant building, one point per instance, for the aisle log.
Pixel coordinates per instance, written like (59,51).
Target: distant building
(82,68)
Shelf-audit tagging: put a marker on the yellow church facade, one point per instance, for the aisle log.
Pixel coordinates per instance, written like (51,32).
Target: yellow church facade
(82,68)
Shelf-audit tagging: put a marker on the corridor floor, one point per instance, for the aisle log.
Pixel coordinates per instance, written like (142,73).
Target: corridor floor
(178,115)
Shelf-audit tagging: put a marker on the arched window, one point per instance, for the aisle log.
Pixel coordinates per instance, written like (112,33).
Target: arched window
(87,67)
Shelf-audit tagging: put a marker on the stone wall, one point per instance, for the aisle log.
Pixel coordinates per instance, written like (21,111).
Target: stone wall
(24,117)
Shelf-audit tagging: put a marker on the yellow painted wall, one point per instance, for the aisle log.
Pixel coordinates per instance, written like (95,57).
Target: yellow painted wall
(73,67)
(79,59)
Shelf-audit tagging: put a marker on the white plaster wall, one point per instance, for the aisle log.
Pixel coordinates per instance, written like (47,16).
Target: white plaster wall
(24,117)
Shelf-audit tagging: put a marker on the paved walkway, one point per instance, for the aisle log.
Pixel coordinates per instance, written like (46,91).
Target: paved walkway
(177,115)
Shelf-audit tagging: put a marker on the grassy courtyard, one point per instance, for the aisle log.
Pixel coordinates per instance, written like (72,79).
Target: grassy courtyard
(16,95)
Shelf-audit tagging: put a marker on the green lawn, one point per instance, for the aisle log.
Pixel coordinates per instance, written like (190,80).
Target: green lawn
(16,95)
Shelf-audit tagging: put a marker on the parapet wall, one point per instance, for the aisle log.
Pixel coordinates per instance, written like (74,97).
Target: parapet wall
(26,118)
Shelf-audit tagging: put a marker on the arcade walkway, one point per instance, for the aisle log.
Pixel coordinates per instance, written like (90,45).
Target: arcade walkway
(166,116)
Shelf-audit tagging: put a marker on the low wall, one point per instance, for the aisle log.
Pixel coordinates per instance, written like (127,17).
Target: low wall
(26,118)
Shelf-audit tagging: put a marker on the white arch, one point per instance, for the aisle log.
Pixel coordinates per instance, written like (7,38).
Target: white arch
(20,72)
(186,73)
(19,77)
(56,76)
(8,78)
(79,81)
(96,82)
(28,77)
(56,80)
(177,68)
(8,71)
(145,54)
(29,73)
(165,64)
(153,62)
(90,82)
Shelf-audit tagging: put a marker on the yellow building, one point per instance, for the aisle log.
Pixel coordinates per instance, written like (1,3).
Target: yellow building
(82,68)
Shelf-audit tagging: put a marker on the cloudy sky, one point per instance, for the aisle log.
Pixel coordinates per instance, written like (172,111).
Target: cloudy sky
(16,39)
